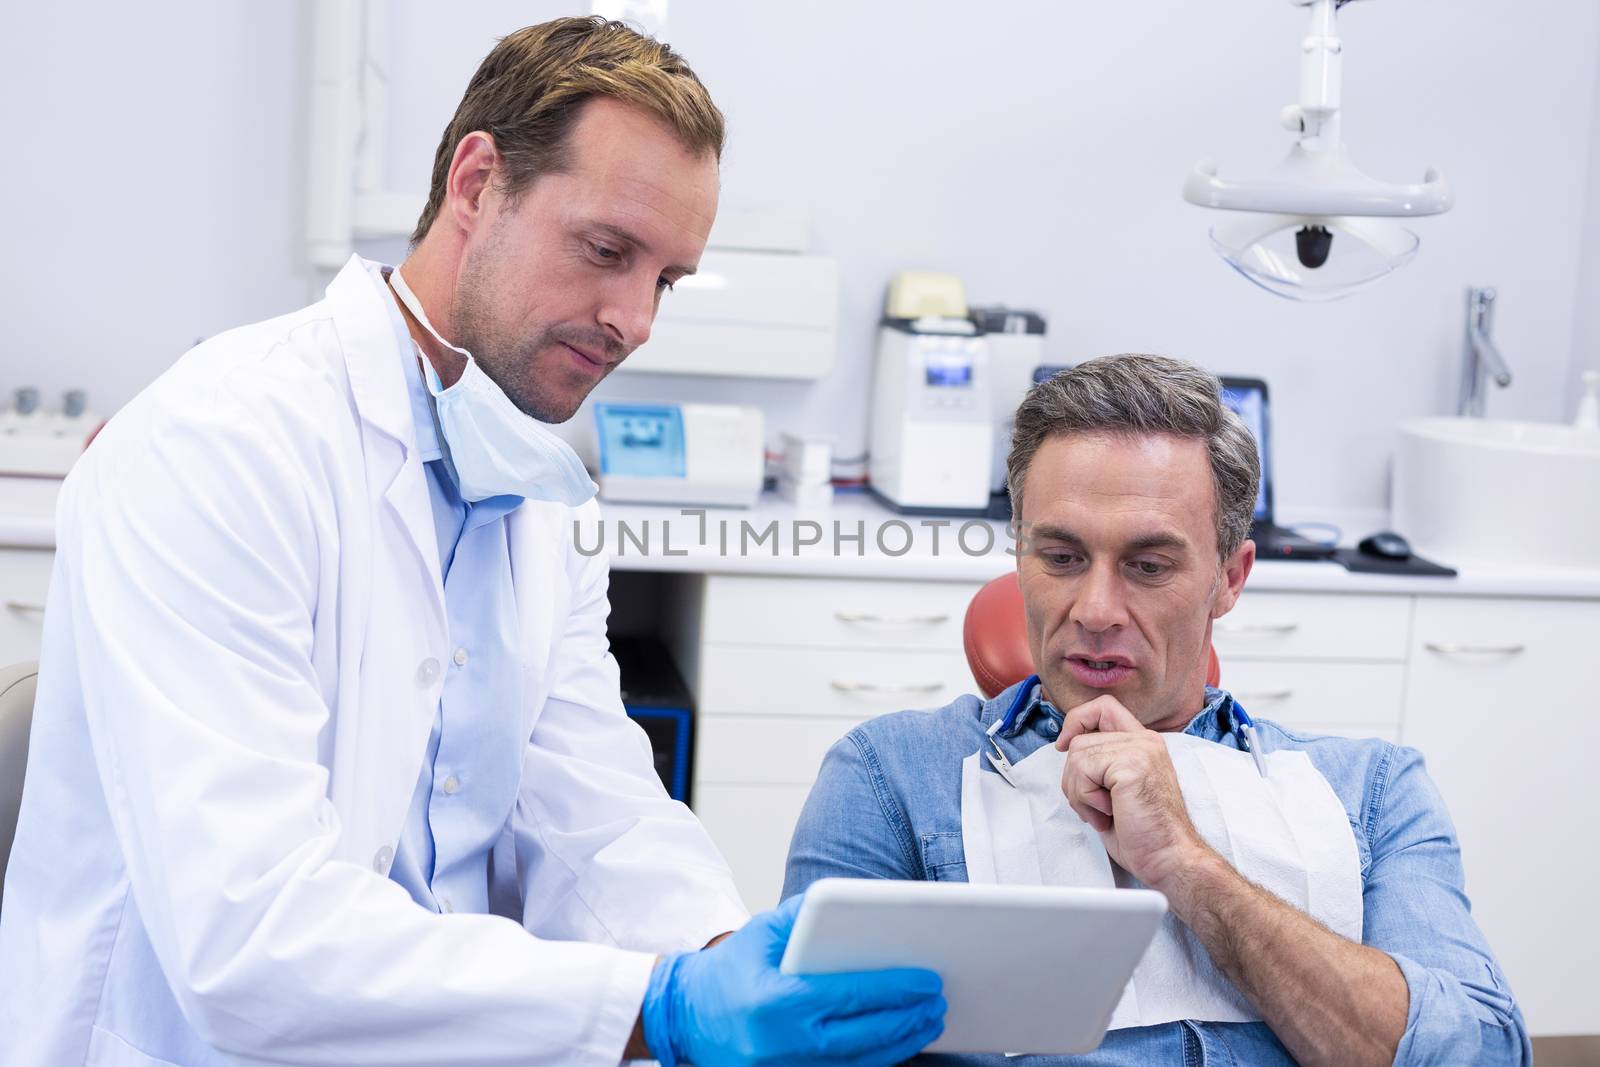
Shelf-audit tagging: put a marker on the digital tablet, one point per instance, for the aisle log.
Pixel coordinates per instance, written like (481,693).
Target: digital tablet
(1026,969)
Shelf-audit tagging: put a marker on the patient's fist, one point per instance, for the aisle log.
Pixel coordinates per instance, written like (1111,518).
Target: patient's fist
(1120,780)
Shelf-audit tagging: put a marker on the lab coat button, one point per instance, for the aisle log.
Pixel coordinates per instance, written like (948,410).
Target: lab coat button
(427,672)
(382,859)
(461,657)
(451,784)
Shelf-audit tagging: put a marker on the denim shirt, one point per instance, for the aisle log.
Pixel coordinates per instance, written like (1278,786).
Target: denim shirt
(887,804)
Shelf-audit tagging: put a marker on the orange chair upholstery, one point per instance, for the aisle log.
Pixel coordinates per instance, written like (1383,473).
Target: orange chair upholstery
(995,634)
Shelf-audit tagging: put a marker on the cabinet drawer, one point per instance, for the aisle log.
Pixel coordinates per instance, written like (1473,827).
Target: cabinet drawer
(828,683)
(835,613)
(24,580)
(761,749)
(1313,626)
(752,825)
(1320,697)
(1489,631)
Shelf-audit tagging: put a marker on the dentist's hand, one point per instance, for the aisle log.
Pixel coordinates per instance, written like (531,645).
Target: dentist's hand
(729,1004)
(1119,779)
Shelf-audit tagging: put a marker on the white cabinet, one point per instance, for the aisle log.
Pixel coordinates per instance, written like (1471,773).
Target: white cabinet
(834,613)
(787,666)
(1350,699)
(752,825)
(1314,626)
(24,579)
(1299,659)
(1504,704)
(848,684)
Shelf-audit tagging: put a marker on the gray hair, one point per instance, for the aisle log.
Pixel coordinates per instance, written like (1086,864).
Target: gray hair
(1138,395)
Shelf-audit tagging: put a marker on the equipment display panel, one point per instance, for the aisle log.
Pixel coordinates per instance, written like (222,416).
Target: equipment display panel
(641,440)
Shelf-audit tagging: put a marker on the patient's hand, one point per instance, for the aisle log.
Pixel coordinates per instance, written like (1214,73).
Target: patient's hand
(1119,779)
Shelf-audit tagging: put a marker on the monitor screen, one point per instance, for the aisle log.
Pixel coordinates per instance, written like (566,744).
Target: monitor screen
(1248,400)
(641,440)
(948,371)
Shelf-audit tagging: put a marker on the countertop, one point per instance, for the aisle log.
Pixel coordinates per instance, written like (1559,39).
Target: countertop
(737,541)
(856,537)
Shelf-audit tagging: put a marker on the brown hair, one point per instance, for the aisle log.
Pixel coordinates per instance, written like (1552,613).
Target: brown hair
(530,89)
(1135,394)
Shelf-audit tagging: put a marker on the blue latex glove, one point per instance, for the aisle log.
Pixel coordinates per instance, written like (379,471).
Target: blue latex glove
(729,1004)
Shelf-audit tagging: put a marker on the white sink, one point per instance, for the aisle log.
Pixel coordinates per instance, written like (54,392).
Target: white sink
(1498,492)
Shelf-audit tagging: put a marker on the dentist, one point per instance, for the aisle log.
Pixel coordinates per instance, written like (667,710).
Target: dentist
(329,764)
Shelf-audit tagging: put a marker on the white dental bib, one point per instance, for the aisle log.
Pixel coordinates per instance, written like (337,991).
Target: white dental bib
(1287,832)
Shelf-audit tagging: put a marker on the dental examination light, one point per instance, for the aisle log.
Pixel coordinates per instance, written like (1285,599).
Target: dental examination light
(1316,228)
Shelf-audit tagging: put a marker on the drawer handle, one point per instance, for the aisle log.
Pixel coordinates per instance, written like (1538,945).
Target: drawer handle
(1475,650)
(1264,694)
(19,606)
(1257,627)
(891,620)
(872,687)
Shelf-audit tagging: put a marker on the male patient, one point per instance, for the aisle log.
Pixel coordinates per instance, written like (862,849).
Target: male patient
(1133,487)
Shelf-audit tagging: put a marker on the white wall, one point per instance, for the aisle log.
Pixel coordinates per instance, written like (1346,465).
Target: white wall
(1035,148)
(152,176)
(1586,325)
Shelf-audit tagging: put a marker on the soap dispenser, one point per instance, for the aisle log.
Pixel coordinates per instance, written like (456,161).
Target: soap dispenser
(1588,417)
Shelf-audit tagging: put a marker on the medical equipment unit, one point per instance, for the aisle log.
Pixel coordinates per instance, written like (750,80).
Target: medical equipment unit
(805,472)
(712,454)
(45,444)
(1316,228)
(1015,339)
(931,444)
(748,314)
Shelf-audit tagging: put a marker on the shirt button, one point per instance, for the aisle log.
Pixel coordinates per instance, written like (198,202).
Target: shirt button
(446,907)
(461,657)
(451,784)
(382,858)
(1052,728)
(427,672)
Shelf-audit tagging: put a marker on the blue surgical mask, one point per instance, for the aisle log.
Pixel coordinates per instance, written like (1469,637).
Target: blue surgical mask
(496,448)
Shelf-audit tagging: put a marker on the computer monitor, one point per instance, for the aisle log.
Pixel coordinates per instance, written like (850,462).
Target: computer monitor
(1247,398)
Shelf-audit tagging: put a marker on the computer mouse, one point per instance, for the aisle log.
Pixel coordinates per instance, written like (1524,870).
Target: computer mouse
(1385,544)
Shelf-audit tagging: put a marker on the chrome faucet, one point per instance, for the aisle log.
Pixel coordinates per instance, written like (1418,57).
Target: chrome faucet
(1481,358)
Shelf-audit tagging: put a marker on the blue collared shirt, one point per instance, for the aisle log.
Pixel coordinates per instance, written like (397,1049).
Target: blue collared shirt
(473,763)
(887,804)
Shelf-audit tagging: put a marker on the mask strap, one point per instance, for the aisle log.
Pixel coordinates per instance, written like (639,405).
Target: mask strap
(409,299)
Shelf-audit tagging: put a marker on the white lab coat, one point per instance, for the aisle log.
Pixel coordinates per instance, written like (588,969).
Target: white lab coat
(244,649)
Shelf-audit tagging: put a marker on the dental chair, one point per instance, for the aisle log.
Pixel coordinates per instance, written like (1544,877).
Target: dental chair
(995,635)
(16,716)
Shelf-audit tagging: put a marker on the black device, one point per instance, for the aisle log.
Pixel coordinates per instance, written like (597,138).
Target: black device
(1385,544)
(1312,245)
(654,696)
(1000,502)
(1247,398)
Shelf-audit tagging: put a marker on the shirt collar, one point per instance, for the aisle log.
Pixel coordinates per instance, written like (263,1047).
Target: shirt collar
(1035,709)
(1213,721)
(1216,716)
